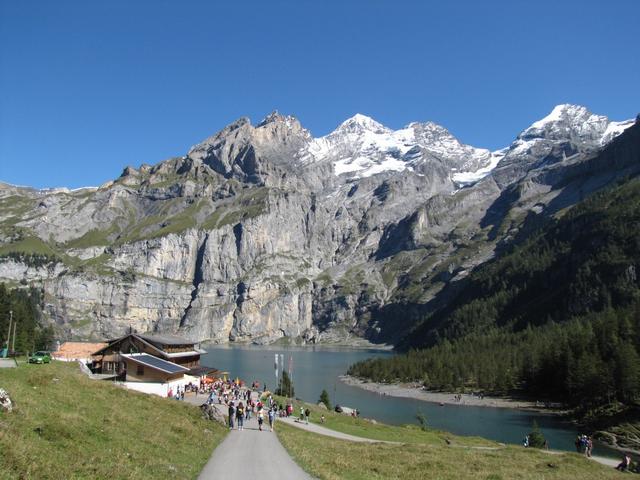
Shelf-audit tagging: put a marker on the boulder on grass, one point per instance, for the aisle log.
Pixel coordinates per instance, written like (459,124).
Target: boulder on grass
(5,401)
(210,412)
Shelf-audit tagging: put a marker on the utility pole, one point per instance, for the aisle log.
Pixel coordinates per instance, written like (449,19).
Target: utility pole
(9,332)
(13,343)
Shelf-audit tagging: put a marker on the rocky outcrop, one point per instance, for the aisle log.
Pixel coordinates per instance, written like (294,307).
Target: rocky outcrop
(210,412)
(262,232)
(5,401)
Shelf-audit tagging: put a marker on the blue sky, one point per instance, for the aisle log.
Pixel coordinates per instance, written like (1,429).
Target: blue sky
(87,87)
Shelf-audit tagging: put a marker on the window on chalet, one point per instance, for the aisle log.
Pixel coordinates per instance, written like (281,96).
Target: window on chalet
(140,370)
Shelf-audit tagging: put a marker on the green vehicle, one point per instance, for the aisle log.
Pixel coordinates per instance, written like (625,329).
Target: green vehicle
(40,357)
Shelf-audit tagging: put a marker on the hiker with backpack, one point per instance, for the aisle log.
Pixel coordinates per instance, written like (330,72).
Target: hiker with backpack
(240,416)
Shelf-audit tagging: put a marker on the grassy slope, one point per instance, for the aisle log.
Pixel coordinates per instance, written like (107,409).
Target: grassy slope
(329,458)
(360,427)
(424,454)
(66,426)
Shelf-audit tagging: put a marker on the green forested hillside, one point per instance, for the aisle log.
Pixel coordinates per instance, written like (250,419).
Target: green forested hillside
(557,316)
(25,305)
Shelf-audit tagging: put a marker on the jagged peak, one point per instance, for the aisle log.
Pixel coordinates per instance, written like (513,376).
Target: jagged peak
(277,117)
(359,123)
(238,123)
(577,119)
(564,111)
(432,128)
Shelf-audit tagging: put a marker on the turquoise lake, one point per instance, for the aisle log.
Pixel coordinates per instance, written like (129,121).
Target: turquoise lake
(317,367)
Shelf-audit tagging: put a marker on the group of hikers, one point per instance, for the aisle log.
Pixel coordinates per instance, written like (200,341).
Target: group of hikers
(178,394)
(223,388)
(584,445)
(241,412)
(244,407)
(241,406)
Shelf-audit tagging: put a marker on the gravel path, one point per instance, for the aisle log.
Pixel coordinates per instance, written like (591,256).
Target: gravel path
(249,454)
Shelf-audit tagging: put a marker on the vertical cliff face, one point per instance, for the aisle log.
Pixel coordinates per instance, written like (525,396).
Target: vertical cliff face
(264,232)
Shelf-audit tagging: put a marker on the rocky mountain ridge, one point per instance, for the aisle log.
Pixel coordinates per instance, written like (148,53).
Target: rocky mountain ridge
(263,232)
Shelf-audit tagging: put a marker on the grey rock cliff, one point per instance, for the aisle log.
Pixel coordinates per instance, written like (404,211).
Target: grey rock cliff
(263,232)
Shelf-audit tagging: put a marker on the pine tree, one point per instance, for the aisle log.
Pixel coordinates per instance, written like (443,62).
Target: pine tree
(285,387)
(536,438)
(422,420)
(324,398)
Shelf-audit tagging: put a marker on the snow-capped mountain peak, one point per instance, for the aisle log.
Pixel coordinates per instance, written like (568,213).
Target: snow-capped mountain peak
(577,122)
(563,112)
(568,122)
(361,123)
(361,147)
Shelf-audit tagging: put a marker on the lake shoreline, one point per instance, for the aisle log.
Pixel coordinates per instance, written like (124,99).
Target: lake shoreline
(416,392)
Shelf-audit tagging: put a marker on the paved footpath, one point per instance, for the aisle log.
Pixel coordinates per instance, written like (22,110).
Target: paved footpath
(315,428)
(319,429)
(250,453)
(254,452)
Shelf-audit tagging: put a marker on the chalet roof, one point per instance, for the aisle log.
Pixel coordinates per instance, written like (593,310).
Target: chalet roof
(166,339)
(154,341)
(155,363)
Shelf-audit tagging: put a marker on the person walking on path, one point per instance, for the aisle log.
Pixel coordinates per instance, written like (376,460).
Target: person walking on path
(240,416)
(260,418)
(302,414)
(232,414)
(307,412)
(272,418)
(589,448)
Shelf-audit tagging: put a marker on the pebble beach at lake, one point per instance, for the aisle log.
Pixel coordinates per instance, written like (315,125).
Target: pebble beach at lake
(417,392)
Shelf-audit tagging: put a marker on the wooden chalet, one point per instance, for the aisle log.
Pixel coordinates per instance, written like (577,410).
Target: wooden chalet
(142,367)
(128,358)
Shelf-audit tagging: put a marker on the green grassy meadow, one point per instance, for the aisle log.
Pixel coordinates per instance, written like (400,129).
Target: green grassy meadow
(331,459)
(66,426)
(421,453)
